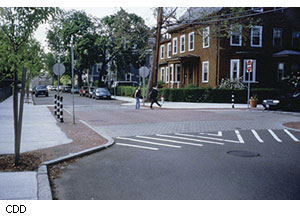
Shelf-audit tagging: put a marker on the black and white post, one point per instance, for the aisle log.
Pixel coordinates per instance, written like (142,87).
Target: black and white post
(232,99)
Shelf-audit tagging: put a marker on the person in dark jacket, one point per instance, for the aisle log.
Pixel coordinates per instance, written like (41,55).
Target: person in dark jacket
(137,96)
(153,97)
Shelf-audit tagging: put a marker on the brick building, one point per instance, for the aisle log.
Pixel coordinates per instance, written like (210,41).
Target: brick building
(192,52)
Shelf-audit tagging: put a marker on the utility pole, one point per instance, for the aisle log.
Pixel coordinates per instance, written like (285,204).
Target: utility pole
(153,73)
(72,61)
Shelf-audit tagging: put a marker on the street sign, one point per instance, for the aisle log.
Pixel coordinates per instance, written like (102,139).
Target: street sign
(59,69)
(144,71)
(249,66)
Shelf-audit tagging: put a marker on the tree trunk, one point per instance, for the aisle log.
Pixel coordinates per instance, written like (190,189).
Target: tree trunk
(153,73)
(79,79)
(15,111)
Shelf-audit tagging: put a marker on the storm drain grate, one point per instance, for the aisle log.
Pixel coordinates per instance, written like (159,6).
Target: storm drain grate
(242,153)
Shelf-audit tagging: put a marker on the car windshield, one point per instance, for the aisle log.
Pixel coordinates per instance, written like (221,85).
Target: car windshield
(101,90)
(41,87)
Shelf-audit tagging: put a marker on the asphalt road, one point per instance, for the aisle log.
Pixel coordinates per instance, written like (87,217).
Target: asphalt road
(183,154)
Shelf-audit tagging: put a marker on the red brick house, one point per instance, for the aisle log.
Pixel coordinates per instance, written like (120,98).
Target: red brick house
(193,54)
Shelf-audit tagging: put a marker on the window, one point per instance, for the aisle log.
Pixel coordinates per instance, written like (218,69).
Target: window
(296,39)
(277,37)
(281,75)
(252,73)
(191,41)
(167,74)
(205,71)
(175,45)
(162,74)
(169,50)
(171,73)
(162,52)
(206,37)
(236,36)
(177,72)
(182,44)
(234,69)
(256,36)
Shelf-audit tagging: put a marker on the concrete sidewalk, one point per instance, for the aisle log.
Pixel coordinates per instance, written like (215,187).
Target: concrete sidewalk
(186,105)
(39,131)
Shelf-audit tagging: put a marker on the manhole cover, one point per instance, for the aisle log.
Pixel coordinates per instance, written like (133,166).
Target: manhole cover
(242,153)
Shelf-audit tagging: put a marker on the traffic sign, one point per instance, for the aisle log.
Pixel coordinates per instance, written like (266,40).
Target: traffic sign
(144,71)
(59,69)
(249,66)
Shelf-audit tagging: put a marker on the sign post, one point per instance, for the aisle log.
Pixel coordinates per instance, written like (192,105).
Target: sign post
(144,72)
(72,62)
(249,70)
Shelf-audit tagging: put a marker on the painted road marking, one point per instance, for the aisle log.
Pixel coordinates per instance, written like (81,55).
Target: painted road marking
(291,135)
(241,140)
(148,142)
(210,138)
(137,146)
(219,134)
(274,135)
(257,136)
(189,139)
(168,140)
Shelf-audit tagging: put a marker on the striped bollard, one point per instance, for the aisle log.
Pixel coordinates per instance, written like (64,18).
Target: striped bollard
(232,99)
(61,116)
(55,106)
(58,106)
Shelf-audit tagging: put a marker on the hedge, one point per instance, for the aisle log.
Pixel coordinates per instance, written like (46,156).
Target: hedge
(215,95)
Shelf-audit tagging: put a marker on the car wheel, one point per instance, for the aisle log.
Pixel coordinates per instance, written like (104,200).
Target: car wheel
(36,95)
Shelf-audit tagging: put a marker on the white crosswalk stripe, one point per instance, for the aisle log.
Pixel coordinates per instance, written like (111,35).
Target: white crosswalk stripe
(148,142)
(291,135)
(257,136)
(274,135)
(189,139)
(241,140)
(210,138)
(137,146)
(173,141)
(218,135)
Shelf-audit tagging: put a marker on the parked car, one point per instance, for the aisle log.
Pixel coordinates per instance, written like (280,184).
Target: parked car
(101,93)
(40,90)
(76,90)
(67,89)
(286,102)
(50,88)
(90,92)
(83,90)
(124,83)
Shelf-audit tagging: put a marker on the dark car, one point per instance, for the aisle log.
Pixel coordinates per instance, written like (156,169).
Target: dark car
(101,93)
(286,102)
(40,90)
(67,89)
(89,93)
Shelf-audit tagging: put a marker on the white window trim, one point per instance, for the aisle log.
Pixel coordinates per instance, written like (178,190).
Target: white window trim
(182,37)
(175,44)
(189,48)
(253,71)
(169,50)
(162,72)
(204,63)
(257,9)
(231,68)
(171,73)
(240,37)
(162,52)
(205,32)
(260,36)
(167,74)
(282,77)
(176,73)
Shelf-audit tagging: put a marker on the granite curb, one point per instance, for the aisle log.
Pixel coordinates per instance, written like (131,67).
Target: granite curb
(44,189)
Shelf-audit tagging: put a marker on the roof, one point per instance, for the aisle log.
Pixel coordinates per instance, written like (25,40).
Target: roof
(286,53)
(194,13)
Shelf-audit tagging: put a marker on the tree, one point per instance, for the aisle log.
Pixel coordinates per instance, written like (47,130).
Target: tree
(17,26)
(123,40)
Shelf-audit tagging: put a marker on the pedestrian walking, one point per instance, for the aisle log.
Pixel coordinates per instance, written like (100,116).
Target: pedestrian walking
(137,96)
(153,96)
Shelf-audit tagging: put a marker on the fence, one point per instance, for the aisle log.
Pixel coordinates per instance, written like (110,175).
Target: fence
(5,93)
